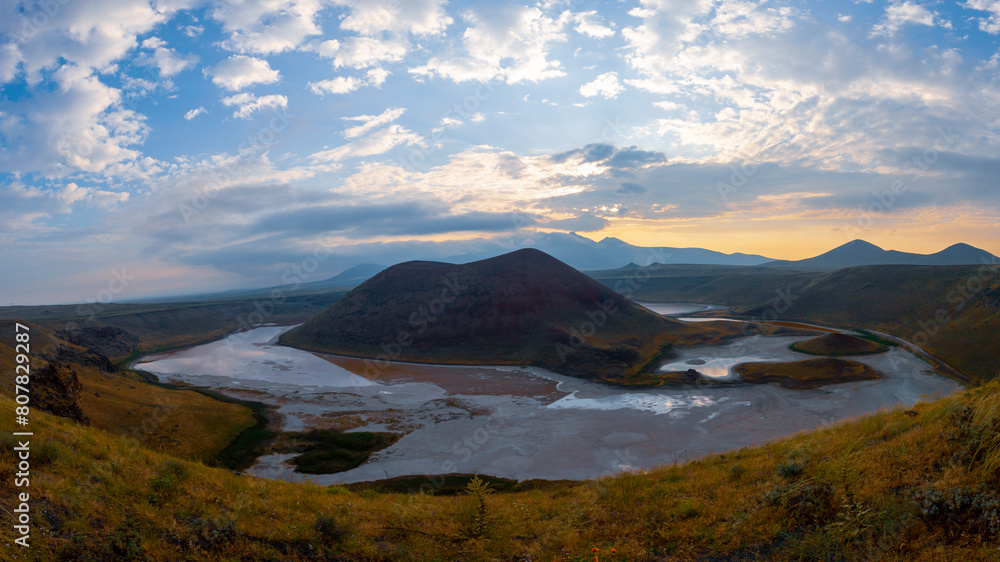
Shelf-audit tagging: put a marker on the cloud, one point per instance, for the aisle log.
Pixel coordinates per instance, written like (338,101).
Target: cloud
(503,42)
(584,223)
(88,35)
(611,156)
(631,188)
(990,24)
(248,104)
(362,52)
(363,221)
(606,85)
(166,60)
(239,71)
(590,24)
(76,125)
(347,84)
(419,17)
(194,113)
(899,14)
(369,122)
(266,26)
(378,142)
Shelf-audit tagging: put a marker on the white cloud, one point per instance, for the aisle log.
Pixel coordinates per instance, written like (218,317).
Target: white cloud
(419,17)
(362,52)
(239,71)
(378,142)
(267,26)
(193,30)
(248,104)
(990,24)
(451,122)
(194,113)
(166,60)
(590,23)
(89,35)
(899,14)
(338,85)
(508,42)
(606,85)
(477,117)
(369,122)
(347,84)
(78,126)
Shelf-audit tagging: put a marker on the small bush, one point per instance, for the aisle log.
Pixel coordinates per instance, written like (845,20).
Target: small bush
(807,500)
(793,466)
(737,471)
(967,510)
(44,452)
(331,530)
(211,534)
(688,510)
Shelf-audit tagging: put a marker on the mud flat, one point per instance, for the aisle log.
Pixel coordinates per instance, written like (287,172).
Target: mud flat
(526,423)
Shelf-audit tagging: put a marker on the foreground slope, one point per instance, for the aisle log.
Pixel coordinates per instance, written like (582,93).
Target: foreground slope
(902,485)
(521,308)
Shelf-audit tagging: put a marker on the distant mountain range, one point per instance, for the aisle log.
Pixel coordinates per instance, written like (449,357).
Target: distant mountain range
(585,254)
(859,252)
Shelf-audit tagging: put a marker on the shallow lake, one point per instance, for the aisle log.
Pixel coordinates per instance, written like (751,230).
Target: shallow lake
(527,422)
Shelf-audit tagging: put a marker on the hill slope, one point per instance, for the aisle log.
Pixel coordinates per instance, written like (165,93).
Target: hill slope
(900,485)
(952,312)
(525,307)
(858,253)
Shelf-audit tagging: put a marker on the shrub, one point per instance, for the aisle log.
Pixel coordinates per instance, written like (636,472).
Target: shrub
(809,500)
(211,534)
(794,465)
(737,471)
(967,510)
(476,515)
(331,529)
(44,452)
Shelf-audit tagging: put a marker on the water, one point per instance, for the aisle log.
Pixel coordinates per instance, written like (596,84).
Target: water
(674,308)
(530,423)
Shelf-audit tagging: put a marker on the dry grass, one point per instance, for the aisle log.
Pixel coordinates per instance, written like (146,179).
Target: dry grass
(852,496)
(810,373)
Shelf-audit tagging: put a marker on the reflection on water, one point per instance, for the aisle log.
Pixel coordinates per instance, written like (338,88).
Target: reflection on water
(716,367)
(657,403)
(250,356)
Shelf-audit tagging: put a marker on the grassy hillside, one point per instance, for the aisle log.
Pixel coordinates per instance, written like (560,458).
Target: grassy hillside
(837,345)
(952,312)
(183,422)
(915,485)
(163,326)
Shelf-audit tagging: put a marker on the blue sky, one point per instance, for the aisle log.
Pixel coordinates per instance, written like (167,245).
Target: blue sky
(208,145)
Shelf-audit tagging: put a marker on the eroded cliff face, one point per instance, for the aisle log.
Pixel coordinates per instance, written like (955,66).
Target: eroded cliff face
(104,340)
(55,388)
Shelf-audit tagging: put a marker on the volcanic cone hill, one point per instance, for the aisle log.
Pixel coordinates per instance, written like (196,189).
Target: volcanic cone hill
(521,308)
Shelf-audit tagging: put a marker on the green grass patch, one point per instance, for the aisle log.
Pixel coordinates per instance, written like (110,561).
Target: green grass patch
(325,451)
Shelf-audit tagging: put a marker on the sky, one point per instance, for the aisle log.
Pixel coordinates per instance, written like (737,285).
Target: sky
(183,145)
